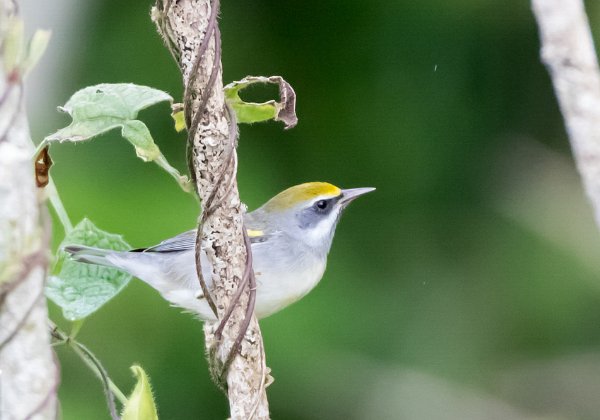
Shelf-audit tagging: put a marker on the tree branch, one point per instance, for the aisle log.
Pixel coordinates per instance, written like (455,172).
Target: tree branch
(28,372)
(192,35)
(568,53)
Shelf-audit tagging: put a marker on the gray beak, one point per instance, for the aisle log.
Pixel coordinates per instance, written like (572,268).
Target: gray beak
(352,193)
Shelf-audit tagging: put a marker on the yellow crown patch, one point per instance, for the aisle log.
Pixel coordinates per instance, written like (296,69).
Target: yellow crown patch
(302,192)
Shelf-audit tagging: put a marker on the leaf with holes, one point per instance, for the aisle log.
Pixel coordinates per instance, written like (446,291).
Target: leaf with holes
(250,112)
(101,108)
(81,289)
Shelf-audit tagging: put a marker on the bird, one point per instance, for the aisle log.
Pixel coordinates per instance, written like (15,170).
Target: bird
(290,235)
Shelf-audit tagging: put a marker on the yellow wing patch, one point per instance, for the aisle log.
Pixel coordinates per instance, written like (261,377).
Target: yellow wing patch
(302,192)
(254,233)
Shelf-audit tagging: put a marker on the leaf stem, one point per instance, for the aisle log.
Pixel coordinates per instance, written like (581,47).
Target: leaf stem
(39,148)
(182,180)
(76,327)
(88,358)
(58,206)
(93,363)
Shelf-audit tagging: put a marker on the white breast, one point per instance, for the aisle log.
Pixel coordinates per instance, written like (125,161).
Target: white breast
(282,278)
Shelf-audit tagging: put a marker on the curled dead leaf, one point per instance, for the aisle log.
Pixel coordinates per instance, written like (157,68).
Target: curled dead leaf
(43,162)
(287,104)
(249,112)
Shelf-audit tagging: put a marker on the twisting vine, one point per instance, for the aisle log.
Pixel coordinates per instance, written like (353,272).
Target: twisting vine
(226,173)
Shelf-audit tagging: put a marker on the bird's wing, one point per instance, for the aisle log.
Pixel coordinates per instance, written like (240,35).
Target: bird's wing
(258,235)
(182,242)
(187,240)
(257,229)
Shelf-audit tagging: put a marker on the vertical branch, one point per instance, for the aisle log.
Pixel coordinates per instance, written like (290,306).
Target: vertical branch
(568,53)
(28,372)
(235,346)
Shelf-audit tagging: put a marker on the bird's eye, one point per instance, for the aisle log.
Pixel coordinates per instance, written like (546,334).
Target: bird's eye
(321,204)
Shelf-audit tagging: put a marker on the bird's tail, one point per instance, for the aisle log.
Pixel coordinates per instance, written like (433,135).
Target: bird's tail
(89,255)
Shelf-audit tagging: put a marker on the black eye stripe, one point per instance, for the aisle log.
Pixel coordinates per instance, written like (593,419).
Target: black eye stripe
(316,212)
(325,205)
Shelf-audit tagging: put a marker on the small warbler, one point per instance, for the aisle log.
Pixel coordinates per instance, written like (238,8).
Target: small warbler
(290,238)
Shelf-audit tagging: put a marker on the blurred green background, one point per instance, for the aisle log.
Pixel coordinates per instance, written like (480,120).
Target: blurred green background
(466,287)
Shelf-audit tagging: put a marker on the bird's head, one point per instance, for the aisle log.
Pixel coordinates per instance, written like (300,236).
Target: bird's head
(309,212)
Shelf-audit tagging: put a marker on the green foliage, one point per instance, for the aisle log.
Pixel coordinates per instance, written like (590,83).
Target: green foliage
(179,120)
(140,404)
(13,45)
(251,112)
(81,289)
(18,57)
(419,99)
(101,108)
(37,46)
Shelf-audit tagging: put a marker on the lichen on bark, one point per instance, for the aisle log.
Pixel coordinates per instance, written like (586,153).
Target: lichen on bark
(28,372)
(184,26)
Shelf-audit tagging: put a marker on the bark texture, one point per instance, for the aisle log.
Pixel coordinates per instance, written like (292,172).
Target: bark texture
(568,53)
(184,25)
(28,372)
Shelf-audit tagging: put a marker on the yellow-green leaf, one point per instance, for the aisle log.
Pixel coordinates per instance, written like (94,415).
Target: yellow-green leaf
(140,404)
(249,112)
(37,46)
(17,57)
(179,118)
(138,134)
(13,45)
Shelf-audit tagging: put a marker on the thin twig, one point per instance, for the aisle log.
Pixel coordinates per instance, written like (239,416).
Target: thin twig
(110,389)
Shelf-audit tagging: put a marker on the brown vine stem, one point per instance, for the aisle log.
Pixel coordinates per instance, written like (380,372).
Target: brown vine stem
(568,53)
(191,32)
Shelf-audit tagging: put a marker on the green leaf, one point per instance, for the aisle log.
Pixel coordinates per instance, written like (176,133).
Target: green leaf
(13,45)
(138,134)
(17,57)
(101,108)
(81,289)
(249,112)
(140,404)
(37,46)
(179,119)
